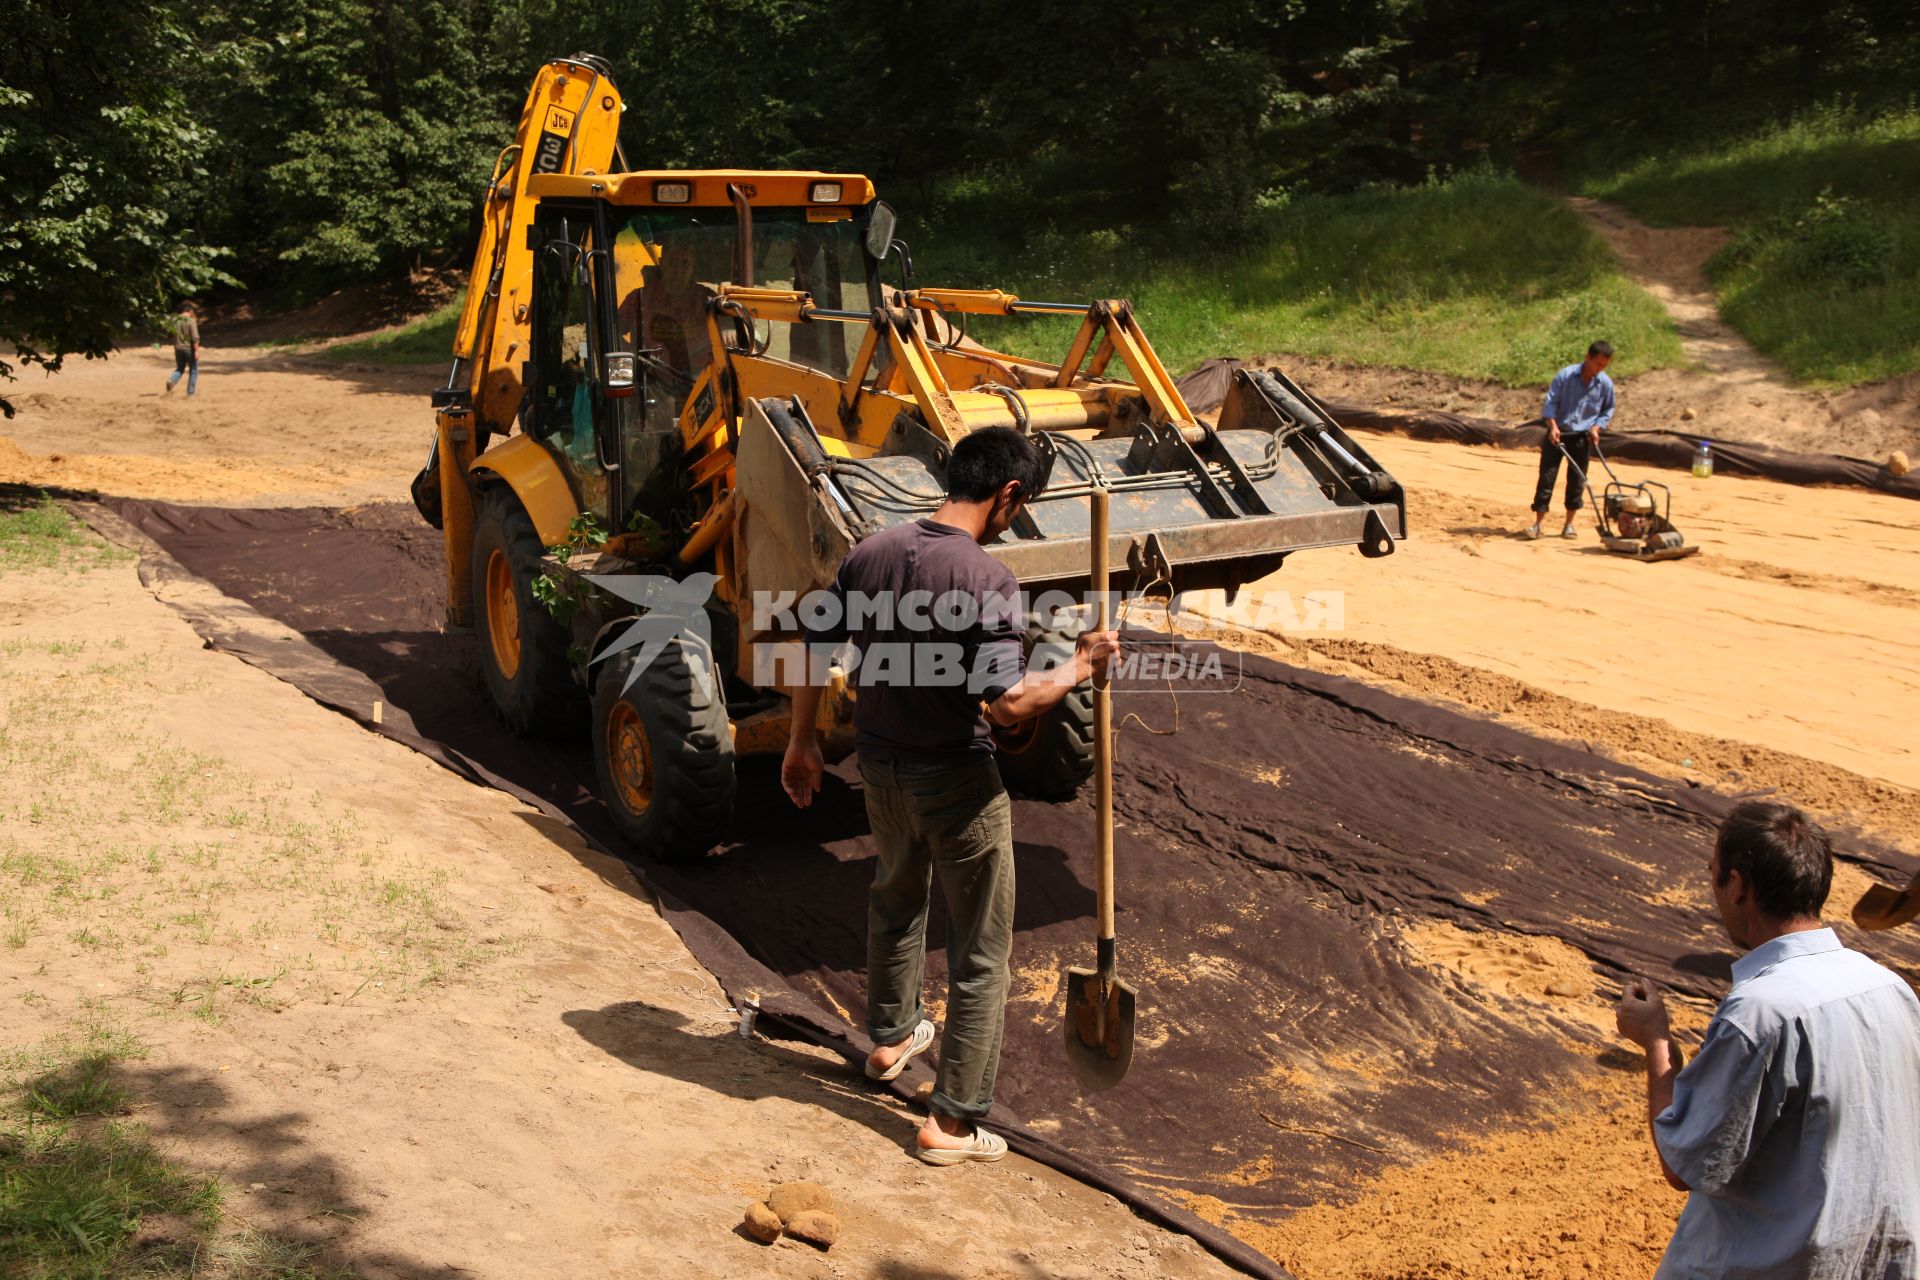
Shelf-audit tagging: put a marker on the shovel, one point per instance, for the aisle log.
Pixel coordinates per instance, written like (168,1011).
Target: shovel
(1100,1007)
(1885,907)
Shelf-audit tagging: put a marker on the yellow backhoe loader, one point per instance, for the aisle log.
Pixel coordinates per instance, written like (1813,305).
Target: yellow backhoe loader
(733,376)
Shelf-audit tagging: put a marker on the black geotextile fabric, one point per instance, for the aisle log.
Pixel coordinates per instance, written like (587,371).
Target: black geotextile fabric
(1272,852)
(1206,387)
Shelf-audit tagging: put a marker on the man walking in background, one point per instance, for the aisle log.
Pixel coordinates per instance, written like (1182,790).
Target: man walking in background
(1579,405)
(1797,1127)
(186,348)
(933,792)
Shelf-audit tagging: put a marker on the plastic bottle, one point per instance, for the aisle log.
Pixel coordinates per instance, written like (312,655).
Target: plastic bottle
(1703,461)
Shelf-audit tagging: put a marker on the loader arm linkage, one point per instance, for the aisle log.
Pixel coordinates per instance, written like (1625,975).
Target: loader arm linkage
(1198,503)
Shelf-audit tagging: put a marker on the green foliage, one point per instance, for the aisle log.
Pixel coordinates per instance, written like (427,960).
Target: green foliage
(99,161)
(562,593)
(1478,275)
(427,340)
(324,142)
(1715,179)
(354,135)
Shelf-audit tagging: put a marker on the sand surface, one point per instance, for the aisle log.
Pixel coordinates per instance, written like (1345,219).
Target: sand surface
(1796,628)
(1784,656)
(414,1019)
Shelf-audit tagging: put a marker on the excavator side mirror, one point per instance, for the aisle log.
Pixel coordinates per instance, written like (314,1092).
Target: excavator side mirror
(880,225)
(618,380)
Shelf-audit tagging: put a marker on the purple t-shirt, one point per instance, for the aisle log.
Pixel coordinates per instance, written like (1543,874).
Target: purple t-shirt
(936,624)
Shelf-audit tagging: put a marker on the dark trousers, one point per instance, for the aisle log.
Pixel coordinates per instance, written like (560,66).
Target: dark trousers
(1577,444)
(954,821)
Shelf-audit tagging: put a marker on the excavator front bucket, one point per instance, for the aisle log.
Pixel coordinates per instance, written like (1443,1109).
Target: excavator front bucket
(1200,506)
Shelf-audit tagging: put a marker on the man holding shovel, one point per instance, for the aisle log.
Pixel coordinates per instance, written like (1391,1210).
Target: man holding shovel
(937,625)
(1578,407)
(1796,1128)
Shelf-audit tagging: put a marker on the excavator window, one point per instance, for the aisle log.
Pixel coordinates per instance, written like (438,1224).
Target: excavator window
(664,261)
(562,406)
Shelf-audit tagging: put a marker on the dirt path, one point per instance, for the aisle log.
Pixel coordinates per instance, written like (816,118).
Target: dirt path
(268,427)
(1736,392)
(1670,263)
(411,1018)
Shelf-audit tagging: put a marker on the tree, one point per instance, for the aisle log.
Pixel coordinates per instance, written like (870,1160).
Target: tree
(99,164)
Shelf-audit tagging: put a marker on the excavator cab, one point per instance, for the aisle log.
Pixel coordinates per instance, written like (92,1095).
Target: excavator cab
(708,369)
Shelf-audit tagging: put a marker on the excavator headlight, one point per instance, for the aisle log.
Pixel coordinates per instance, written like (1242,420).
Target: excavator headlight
(825,193)
(672,192)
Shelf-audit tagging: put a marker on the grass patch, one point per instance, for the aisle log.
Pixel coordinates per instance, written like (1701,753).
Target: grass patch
(1478,275)
(1823,270)
(86,1193)
(36,532)
(426,340)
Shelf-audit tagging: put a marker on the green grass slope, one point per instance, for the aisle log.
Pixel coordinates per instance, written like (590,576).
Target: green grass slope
(428,340)
(1823,271)
(1479,275)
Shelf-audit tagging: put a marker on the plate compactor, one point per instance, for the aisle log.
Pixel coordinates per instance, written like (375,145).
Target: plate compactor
(1633,520)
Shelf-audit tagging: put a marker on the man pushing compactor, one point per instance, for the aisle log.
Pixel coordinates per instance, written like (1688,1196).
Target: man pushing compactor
(1578,407)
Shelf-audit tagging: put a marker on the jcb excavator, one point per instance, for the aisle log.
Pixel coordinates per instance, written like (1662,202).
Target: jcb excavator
(706,379)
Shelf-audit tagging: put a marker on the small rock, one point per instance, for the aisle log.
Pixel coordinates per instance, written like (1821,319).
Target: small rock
(793,1198)
(1689,413)
(1898,464)
(1565,987)
(762,1223)
(924,1094)
(816,1226)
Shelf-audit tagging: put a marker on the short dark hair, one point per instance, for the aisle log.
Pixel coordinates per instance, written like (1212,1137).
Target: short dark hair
(985,460)
(1784,855)
(1601,348)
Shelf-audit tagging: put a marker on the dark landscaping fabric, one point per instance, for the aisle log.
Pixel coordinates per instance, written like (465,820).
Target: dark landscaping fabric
(1206,387)
(1271,853)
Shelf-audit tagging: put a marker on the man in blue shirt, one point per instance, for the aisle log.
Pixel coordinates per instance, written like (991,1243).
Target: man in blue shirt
(1796,1129)
(1579,406)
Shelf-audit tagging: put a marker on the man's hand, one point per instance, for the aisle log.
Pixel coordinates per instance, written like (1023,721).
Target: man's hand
(1094,652)
(802,769)
(1641,1014)
(1553,432)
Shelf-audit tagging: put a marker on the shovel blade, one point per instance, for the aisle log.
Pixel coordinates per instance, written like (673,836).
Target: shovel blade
(1100,1018)
(1885,907)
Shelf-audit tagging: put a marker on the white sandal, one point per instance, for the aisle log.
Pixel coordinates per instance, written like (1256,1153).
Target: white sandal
(916,1045)
(985,1147)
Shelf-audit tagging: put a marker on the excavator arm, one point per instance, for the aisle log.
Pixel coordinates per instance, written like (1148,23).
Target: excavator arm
(570,125)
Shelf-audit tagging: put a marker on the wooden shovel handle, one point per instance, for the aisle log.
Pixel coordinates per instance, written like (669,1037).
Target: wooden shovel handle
(1103,742)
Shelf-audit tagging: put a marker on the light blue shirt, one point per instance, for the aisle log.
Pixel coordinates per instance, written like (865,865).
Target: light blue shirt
(1798,1124)
(1576,404)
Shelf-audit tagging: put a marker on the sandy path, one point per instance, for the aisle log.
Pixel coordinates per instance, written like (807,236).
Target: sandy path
(1735,392)
(268,428)
(410,1017)
(1670,263)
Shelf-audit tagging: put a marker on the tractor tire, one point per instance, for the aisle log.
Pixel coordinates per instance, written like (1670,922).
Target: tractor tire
(523,651)
(663,753)
(1049,756)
